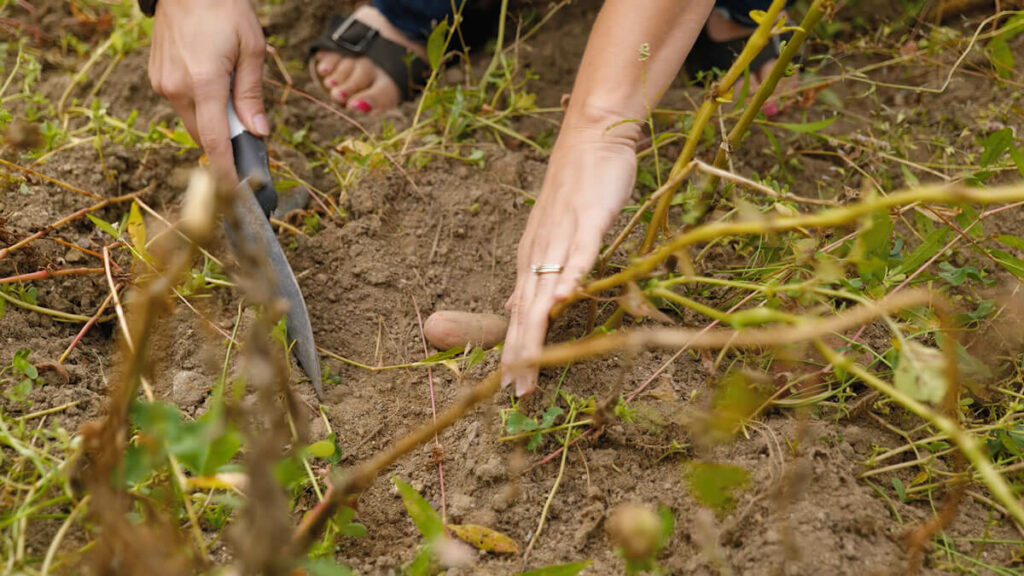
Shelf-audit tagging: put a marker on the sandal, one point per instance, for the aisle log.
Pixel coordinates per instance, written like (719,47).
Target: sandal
(350,37)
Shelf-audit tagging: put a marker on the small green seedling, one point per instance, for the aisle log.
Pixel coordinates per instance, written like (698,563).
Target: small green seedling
(23,374)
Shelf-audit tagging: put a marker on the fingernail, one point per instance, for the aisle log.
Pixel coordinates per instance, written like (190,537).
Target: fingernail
(331,82)
(362,105)
(323,68)
(524,386)
(506,379)
(339,95)
(260,124)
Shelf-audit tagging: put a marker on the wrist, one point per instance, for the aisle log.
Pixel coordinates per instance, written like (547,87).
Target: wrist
(601,119)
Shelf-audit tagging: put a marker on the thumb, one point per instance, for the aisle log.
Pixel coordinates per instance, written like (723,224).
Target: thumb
(248,88)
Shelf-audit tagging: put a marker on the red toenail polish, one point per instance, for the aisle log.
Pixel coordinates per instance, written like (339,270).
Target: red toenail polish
(362,105)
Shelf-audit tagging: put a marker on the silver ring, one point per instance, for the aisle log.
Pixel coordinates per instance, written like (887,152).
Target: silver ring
(546,268)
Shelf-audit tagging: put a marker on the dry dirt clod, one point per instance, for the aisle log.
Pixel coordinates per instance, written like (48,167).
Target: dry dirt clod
(635,529)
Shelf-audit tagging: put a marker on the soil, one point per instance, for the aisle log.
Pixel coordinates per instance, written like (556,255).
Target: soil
(448,241)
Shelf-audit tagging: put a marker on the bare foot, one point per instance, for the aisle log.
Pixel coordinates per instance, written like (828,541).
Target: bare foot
(356,82)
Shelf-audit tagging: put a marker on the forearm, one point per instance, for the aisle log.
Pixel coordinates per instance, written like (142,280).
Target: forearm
(614,84)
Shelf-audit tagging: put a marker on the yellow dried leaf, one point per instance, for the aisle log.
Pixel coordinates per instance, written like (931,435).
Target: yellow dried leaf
(484,538)
(136,227)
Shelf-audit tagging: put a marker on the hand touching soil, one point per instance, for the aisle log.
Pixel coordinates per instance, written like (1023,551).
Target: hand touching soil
(589,179)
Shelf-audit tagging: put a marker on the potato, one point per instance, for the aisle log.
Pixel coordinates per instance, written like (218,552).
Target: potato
(449,328)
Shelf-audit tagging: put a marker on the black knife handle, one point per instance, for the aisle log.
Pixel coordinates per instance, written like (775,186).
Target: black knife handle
(251,160)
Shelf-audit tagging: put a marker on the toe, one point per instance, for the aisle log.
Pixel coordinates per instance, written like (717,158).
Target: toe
(339,76)
(359,77)
(326,62)
(382,94)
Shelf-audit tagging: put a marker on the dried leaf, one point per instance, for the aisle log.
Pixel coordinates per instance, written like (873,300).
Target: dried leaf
(484,538)
(636,304)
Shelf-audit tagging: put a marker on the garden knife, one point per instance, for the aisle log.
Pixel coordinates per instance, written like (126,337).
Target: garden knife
(252,208)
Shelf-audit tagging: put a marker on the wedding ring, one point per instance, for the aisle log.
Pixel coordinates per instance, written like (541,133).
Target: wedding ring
(546,268)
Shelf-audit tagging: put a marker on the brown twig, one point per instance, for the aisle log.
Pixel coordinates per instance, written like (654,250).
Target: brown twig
(50,179)
(71,218)
(44,274)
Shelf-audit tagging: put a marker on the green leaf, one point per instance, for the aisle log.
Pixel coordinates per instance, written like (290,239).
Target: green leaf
(571,569)
(921,373)
(1018,159)
(322,449)
(713,484)
(441,356)
(1011,241)
(668,525)
(422,564)
(901,490)
(933,242)
(806,127)
(548,419)
(436,44)
(957,276)
(1012,265)
(518,423)
(427,520)
(325,567)
(998,48)
(104,226)
(475,357)
(912,180)
(995,145)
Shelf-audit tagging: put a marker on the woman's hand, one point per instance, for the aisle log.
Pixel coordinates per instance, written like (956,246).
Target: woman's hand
(197,45)
(590,176)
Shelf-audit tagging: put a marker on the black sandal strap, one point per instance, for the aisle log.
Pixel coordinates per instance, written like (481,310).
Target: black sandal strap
(351,37)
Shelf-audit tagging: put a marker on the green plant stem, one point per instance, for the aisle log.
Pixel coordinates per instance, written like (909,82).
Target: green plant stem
(675,338)
(64,316)
(739,131)
(834,217)
(968,445)
(554,490)
(758,39)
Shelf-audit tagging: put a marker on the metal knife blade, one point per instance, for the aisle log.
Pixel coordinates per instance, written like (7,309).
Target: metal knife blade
(254,231)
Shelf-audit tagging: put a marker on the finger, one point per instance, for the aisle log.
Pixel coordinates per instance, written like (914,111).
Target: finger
(211,97)
(186,110)
(578,264)
(248,87)
(534,306)
(534,327)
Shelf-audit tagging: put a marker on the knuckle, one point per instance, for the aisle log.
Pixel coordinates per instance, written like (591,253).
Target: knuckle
(212,143)
(256,48)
